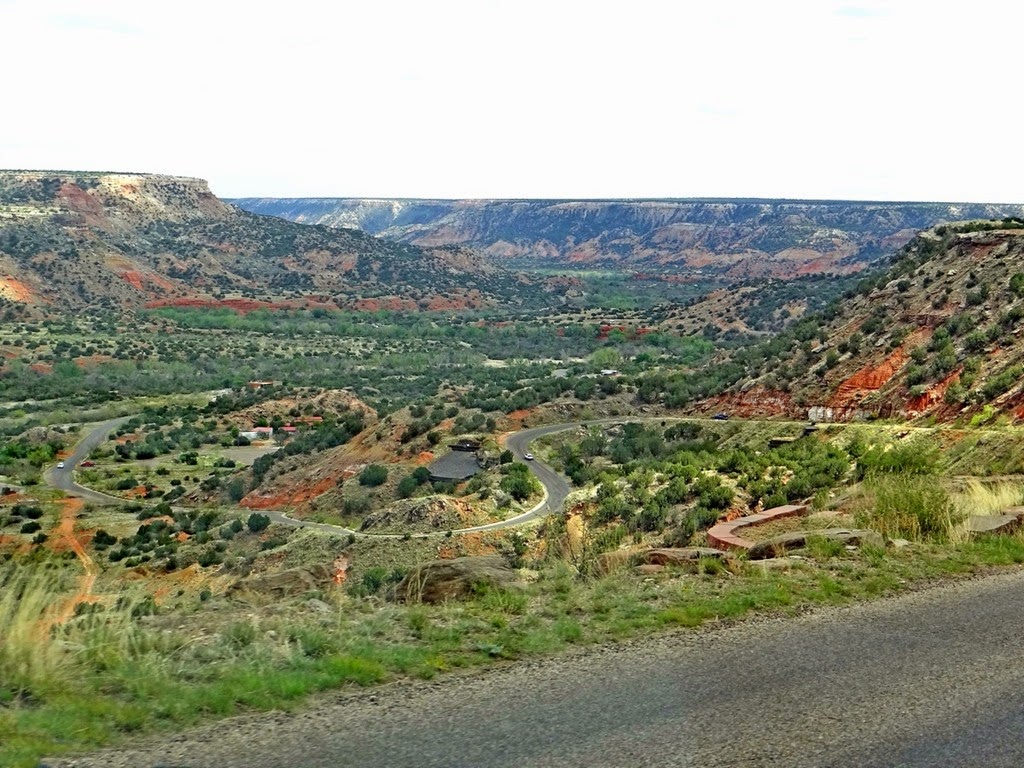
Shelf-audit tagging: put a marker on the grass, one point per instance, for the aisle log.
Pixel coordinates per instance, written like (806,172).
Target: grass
(913,507)
(106,675)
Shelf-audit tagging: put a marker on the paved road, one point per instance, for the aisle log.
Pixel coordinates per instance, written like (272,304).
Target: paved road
(556,487)
(932,678)
(64,479)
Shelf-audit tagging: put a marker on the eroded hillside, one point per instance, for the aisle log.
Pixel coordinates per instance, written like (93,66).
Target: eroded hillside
(940,334)
(737,239)
(109,240)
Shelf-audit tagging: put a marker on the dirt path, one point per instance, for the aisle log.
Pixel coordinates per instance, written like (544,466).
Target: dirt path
(62,538)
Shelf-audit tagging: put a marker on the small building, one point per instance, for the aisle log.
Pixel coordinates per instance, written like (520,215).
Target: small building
(455,466)
(467,444)
(289,429)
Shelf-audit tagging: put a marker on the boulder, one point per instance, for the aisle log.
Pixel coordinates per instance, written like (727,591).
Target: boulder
(275,586)
(681,556)
(979,524)
(795,540)
(649,570)
(442,580)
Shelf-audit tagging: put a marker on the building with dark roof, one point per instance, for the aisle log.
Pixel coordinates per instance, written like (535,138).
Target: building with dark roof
(457,465)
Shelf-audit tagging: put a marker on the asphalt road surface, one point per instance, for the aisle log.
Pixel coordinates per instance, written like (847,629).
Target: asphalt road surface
(931,678)
(64,478)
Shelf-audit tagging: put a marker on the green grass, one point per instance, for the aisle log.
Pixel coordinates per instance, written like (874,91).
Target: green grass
(104,676)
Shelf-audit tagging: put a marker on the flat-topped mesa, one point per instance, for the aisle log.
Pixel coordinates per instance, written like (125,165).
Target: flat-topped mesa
(108,200)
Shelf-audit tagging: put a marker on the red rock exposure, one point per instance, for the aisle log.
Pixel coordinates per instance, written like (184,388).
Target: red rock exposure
(242,306)
(934,394)
(757,402)
(870,378)
(262,500)
(15,290)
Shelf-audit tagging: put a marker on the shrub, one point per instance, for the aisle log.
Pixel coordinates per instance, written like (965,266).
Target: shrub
(373,475)
(915,458)
(31,526)
(519,483)
(407,487)
(257,522)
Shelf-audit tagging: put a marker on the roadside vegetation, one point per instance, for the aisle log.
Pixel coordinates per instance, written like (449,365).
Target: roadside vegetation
(113,671)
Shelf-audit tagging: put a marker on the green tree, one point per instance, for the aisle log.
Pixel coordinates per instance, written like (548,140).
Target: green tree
(257,522)
(373,475)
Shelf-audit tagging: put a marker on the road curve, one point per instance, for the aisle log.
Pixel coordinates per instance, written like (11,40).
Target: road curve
(556,487)
(929,678)
(64,478)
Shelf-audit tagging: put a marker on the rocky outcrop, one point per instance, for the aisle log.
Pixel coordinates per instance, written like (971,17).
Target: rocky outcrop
(273,587)
(681,556)
(734,238)
(779,545)
(442,580)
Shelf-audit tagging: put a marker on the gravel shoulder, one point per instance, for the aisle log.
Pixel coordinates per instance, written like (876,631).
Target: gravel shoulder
(931,677)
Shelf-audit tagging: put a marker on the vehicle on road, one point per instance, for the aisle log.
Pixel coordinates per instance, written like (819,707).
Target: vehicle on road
(60,465)
(528,456)
(720,416)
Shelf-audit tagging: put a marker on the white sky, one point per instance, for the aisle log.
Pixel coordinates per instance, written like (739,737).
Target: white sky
(860,99)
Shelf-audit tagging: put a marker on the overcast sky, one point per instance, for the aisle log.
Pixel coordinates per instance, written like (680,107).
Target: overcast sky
(860,99)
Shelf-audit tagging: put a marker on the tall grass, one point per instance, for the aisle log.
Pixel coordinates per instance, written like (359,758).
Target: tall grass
(912,507)
(980,498)
(30,660)
(40,656)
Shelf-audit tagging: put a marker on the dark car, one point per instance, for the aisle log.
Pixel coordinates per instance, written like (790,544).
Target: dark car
(720,416)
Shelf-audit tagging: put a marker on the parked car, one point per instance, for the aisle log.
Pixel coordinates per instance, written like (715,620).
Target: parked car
(720,416)
(87,463)
(60,465)
(528,456)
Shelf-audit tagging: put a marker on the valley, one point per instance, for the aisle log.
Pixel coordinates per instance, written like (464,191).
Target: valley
(246,460)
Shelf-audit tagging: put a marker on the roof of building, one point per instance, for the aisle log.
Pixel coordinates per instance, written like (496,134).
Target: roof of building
(457,465)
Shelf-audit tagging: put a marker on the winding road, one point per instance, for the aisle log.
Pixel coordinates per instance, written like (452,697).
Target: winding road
(63,478)
(556,488)
(929,678)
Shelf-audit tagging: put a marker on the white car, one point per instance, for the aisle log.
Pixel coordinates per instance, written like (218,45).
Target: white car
(60,465)
(528,456)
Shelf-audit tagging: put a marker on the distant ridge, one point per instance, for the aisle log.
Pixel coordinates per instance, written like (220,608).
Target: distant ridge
(728,237)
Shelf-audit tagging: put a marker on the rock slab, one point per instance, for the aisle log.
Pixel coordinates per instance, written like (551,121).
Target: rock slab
(795,540)
(441,580)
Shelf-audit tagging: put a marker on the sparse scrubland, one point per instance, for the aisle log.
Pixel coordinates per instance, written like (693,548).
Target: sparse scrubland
(324,376)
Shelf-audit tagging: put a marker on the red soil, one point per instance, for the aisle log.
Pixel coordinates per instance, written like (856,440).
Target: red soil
(64,538)
(934,394)
(756,402)
(260,500)
(15,290)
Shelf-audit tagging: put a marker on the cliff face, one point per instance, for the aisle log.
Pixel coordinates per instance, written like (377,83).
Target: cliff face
(72,240)
(735,238)
(110,200)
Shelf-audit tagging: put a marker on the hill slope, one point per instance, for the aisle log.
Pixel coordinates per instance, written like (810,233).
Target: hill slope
(940,333)
(70,239)
(734,238)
